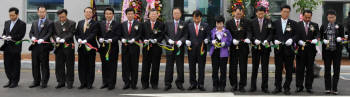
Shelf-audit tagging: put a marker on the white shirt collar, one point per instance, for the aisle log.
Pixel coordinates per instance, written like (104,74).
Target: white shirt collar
(286,20)
(176,21)
(15,21)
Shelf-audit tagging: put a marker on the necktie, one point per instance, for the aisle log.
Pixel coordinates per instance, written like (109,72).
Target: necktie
(176,27)
(130,25)
(307,28)
(40,23)
(237,23)
(85,25)
(260,24)
(196,29)
(107,26)
(152,24)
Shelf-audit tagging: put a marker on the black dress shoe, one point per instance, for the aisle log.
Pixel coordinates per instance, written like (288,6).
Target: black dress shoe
(192,87)
(335,92)
(241,89)
(145,87)
(215,89)
(299,90)
(7,85)
(44,86)
(154,87)
(126,87)
(309,91)
(34,85)
(69,86)
(287,92)
(82,86)
(167,87)
(276,91)
(222,89)
(233,89)
(328,92)
(180,87)
(13,85)
(265,91)
(60,85)
(89,87)
(252,90)
(201,88)
(134,87)
(111,87)
(104,86)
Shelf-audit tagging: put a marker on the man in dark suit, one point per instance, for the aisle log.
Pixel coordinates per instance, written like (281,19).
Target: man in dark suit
(40,34)
(262,36)
(332,35)
(131,32)
(86,35)
(241,35)
(63,33)
(197,40)
(14,30)
(307,39)
(175,35)
(109,48)
(285,35)
(153,34)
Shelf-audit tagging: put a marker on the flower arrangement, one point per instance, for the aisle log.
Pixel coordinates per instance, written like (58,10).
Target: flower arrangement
(136,4)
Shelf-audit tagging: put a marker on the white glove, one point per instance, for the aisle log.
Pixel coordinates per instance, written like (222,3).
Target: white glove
(123,40)
(325,41)
(302,43)
(84,41)
(235,42)
(40,41)
(289,42)
(132,40)
(145,41)
(8,38)
(110,40)
(171,41)
(338,39)
(188,43)
(213,42)
(154,40)
(277,42)
(346,36)
(247,40)
(265,42)
(58,39)
(257,42)
(314,41)
(4,37)
(222,44)
(79,41)
(206,41)
(101,40)
(33,39)
(179,43)
(62,40)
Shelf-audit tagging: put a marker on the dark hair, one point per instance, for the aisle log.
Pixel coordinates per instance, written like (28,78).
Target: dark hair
(219,19)
(307,11)
(238,8)
(129,9)
(197,13)
(14,9)
(108,8)
(260,8)
(62,11)
(285,6)
(331,12)
(41,7)
(88,8)
(175,8)
(152,10)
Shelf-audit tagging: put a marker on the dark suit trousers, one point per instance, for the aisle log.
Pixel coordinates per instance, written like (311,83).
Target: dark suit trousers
(260,56)
(65,60)
(86,65)
(40,63)
(109,67)
(331,82)
(219,64)
(284,57)
(130,64)
(12,64)
(304,67)
(194,58)
(171,58)
(151,62)
(238,57)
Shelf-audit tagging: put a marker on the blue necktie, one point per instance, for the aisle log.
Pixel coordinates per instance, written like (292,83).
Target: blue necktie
(39,27)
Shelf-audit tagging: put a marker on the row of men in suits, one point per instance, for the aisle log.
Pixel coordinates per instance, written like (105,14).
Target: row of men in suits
(93,36)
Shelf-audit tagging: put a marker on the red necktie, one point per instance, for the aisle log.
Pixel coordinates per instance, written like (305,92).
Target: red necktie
(175,28)
(107,26)
(196,29)
(152,24)
(130,25)
(307,28)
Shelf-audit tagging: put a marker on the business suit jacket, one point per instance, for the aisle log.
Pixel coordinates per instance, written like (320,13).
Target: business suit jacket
(89,34)
(45,33)
(17,33)
(65,31)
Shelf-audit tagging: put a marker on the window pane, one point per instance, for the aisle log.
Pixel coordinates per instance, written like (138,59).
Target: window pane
(49,4)
(102,4)
(275,5)
(32,16)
